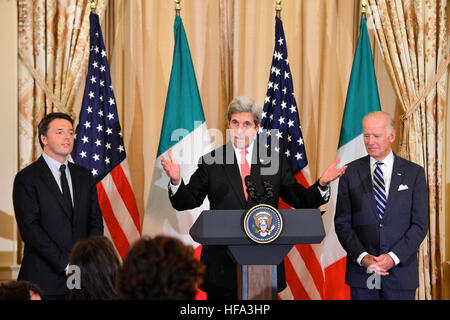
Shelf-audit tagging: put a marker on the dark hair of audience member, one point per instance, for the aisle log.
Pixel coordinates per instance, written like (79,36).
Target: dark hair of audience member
(160,268)
(19,290)
(99,263)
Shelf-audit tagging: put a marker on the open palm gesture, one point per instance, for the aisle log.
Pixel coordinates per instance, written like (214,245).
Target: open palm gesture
(172,168)
(332,173)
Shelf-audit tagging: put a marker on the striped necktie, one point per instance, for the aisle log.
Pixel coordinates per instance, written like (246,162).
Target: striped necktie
(379,189)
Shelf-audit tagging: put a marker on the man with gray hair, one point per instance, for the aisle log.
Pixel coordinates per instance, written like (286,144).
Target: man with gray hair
(381,217)
(220,176)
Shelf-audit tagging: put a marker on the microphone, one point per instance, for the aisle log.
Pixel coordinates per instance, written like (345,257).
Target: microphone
(251,188)
(268,189)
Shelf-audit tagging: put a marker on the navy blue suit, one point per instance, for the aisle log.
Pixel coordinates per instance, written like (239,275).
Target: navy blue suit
(45,224)
(402,229)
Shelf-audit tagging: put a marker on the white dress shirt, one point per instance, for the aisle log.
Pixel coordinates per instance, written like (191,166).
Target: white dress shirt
(54,168)
(248,157)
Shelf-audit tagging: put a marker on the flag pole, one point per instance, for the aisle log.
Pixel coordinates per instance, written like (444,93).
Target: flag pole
(177,7)
(278,8)
(93,5)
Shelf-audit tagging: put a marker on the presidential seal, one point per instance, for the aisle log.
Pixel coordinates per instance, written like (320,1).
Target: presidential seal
(263,223)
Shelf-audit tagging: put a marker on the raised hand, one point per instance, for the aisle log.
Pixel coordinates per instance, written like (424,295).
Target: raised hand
(172,168)
(332,173)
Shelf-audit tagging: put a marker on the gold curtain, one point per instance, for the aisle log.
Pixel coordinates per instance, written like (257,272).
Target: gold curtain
(53,47)
(414,38)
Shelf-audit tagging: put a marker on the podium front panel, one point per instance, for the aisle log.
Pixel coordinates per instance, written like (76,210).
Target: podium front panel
(224,227)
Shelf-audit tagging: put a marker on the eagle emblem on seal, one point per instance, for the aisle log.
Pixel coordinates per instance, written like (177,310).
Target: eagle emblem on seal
(263,223)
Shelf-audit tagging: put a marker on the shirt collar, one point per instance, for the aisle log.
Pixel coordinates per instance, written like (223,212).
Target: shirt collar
(52,163)
(238,151)
(388,160)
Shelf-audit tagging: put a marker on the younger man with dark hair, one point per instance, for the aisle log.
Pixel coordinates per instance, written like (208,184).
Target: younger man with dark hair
(55,203)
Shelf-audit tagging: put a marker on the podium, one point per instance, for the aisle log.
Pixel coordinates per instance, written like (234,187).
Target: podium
(257,262)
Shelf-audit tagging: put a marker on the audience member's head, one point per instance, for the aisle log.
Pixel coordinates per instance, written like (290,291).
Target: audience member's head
(19,290)
(159,268)
(98,263)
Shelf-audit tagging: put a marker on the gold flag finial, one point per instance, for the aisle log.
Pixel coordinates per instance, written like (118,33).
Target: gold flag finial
(363,6)
(93,5)
(177,7)
(278,8)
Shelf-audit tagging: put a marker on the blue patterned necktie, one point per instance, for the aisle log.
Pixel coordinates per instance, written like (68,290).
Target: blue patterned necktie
(379,189)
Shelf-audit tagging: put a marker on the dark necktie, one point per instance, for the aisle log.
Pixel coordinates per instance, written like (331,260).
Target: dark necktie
(379,190)
(66,189)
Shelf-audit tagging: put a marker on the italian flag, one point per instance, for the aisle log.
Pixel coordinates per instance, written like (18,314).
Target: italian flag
(184,131)
(362,98)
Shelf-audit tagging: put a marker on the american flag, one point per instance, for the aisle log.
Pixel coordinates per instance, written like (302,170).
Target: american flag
(99,147)
(280,120)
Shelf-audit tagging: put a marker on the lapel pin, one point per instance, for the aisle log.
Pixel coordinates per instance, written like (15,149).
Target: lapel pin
(399,173)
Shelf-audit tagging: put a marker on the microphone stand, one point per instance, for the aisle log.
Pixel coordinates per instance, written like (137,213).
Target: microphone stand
(268,191)
(253,198)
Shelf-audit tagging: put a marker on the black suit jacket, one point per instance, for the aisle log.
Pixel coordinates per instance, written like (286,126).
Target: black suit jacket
(218,178)
(402,229)
(45,225)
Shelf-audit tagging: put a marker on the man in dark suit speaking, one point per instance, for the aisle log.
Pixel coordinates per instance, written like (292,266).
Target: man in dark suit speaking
(55,203)
(381,217)
(220,176)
